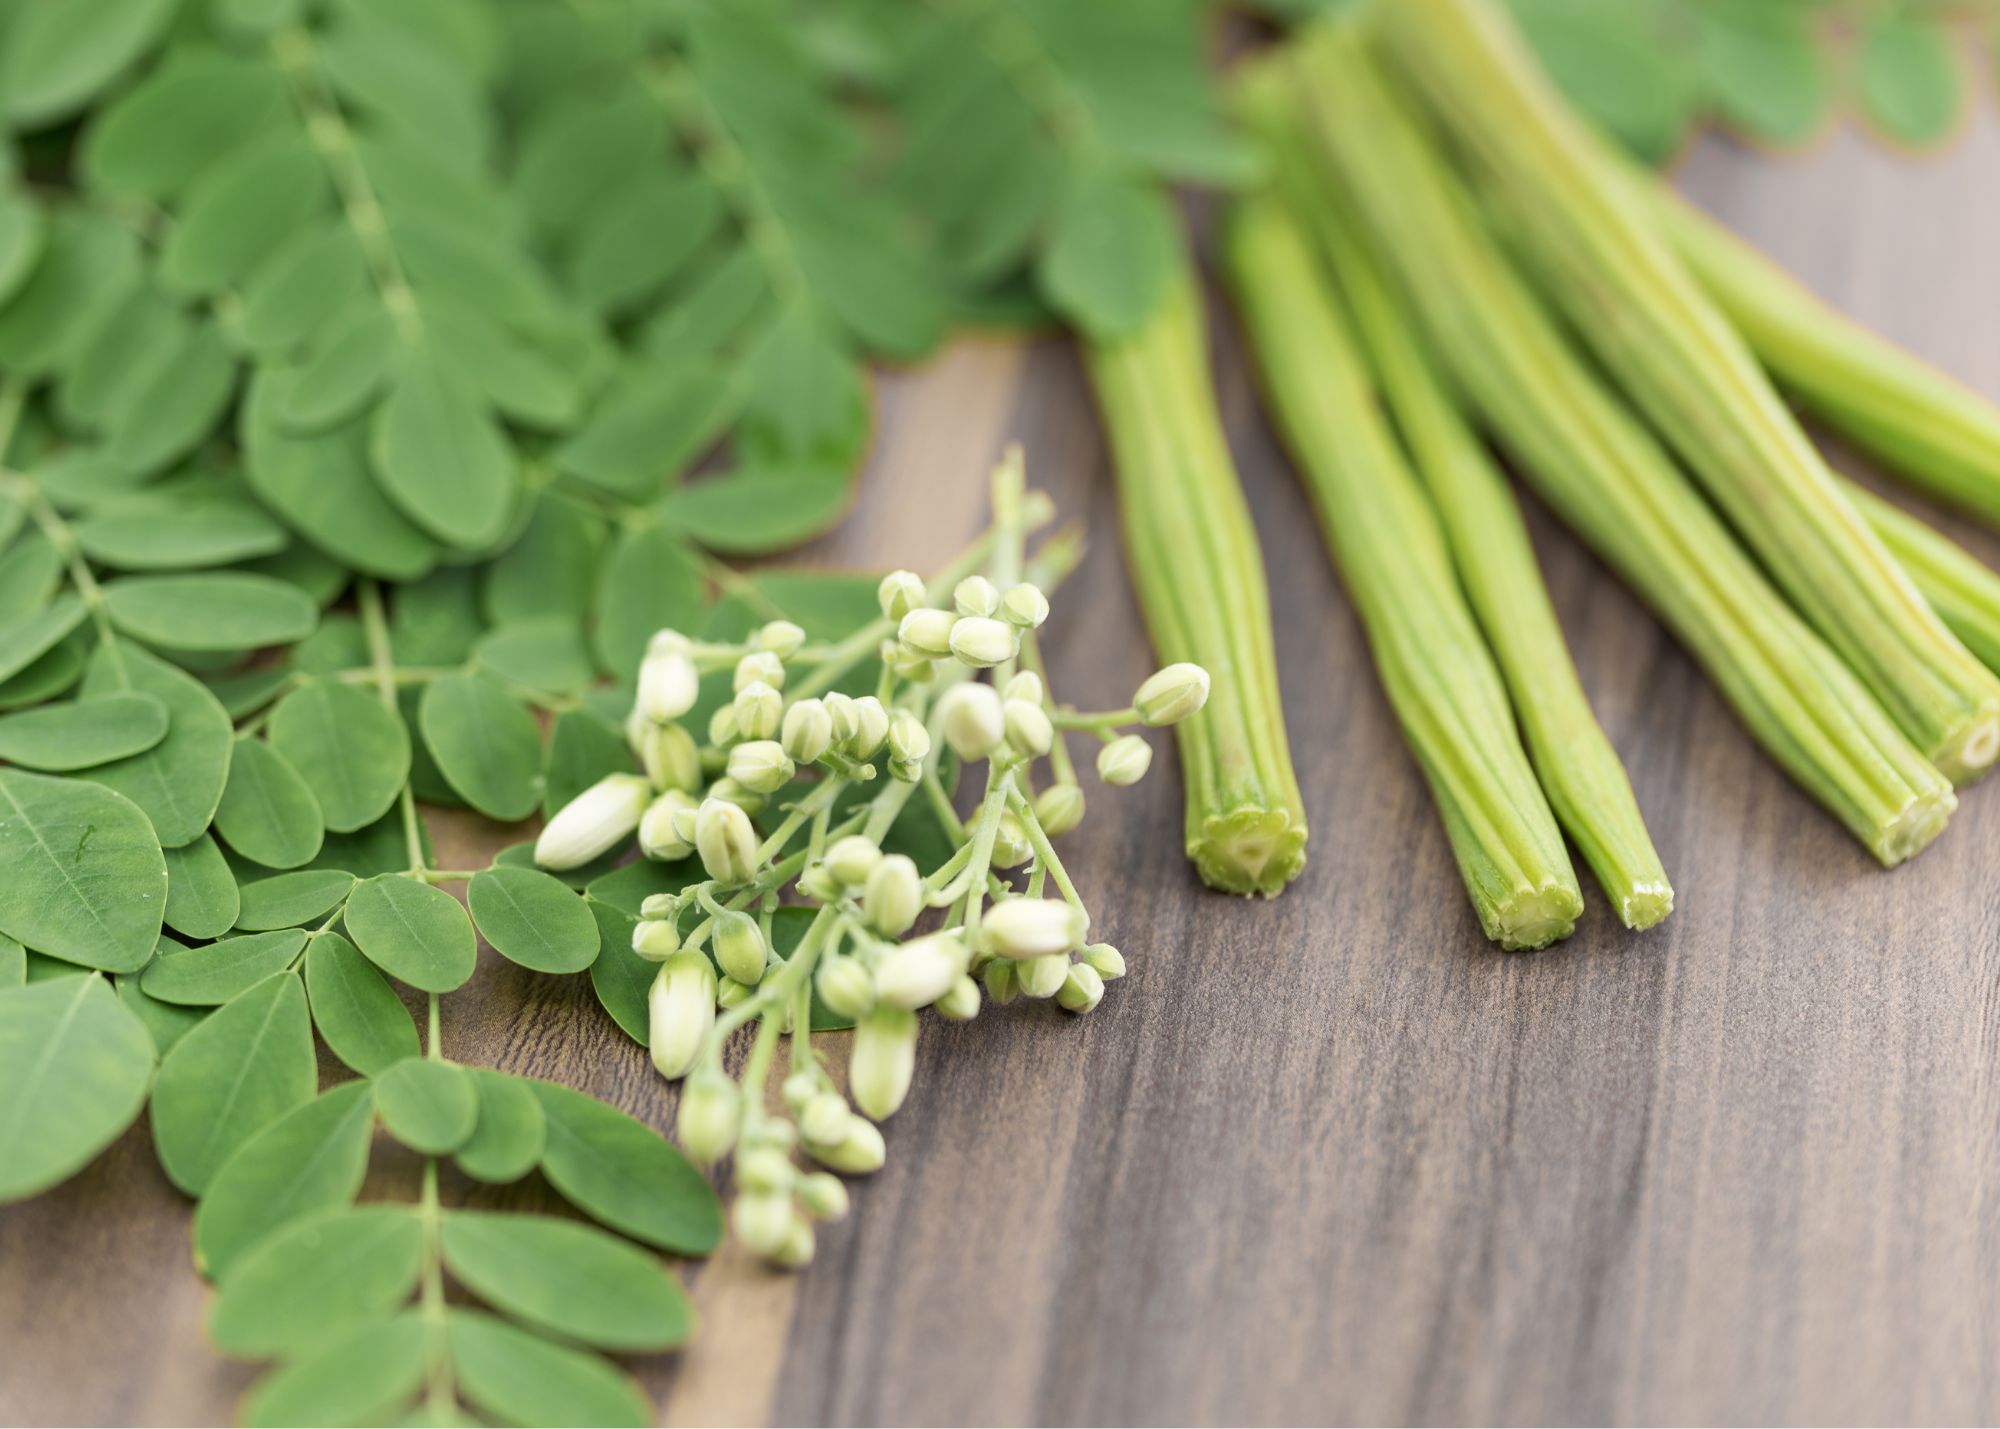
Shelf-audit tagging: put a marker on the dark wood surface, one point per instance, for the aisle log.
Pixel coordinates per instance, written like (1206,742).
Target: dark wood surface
(1333,1158)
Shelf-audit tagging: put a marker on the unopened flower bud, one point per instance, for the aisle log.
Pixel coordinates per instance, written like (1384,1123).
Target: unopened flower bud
(660,905)
(759,667)
(1105,960)
(655,939)
(669,684)
(797,1251)
(730,791)
(1058,809)
(871,728)
(709,1116)
(900,593)
(882,1061)
(686,818)
(1032,927)
(908,739)
(781,638)
(905,771)
(893,896)
(974,723)
(594,822)
(761,765)
(1025,685)
(680,1012)
(739,947)
(822,1195)
(861,1153)
(981,641)
(759,710)
(852,859)
(975,595)
(1003,984)
(1125,760)
(726,842)
(1169,696)
(824,1120)
(660,834)
(762,1220)
(731,993)
(961,1002)
(841,709)
(722,725)
(799,1089)
(807,730)
(1029,729)
(926,632)
(771,1133)
(764,1169)
(1042,977)
(917,973)
(917,669)
(819,885)
(669,756)
(1024,606)
(1011,848)
(1082,989)
(845,987)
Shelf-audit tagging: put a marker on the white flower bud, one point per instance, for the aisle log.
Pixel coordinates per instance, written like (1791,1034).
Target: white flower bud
(669,756)
(759,667)
(883,1059)
(797,1251)
(926,632)
(1171,695)
(824,1198)
(800,1088)
(973,721)
(726,842)
(711,1108)
(1029,729)
(1032,927)
(739,947)
(909,741)
(961,1002)
(1003,984)
(852,859)
(905,771)
(1058,809)
(686,818)
(763,1220)
(669,685)
(732,791)
(680,1012)
(1011,848)
(1042,977)
(1105,960)
(765,1169)
(773,1133)
(846,988)
(781,638)
(980,641)
(893,896)
(917,669)
(731,993)
(975,595)
(722,725)
(1025,685)
(1125,760)
(594,822)
(1082,989)
(759,709)
(660,905)
(841,709)
(819,885)
(1024,606)
(807,730)
(862,1152)
(871,728)
(656,939)
(900,593)
(824,1120)
(917,973)
(761,766)
(660,835)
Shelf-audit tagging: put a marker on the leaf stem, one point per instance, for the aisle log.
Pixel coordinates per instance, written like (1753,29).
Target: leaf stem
(376,626)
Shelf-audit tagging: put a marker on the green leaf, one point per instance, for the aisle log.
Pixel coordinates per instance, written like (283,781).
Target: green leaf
(412,931)
(1763,69)
(195,110)
(247,1065)
(754,513)
(568,1278)
(13,964)
(582,750)
(363,1021)
(382,847)
(179,781)
(523,1379)
(342,375)
(301,288)
(652,582)
(547,656)
(1108,263)
(361,1377)
(89,261)
(624,1174)
(31,571)
(241,210)
(639,238)
(81,874)
(220,610)
(83,732)
(441,458)
(511,1133)
(76,1064)
(177,531)
(210,976)
(436,621)
(649,426)
(312,1158)
(51,675)
(1911,86)
(1628,67)
(351,750)
(27,638)
(165,1023)
(626,888)
(317,1277)
(619,977)
(428,1106)
(57,57)
(808,401)
(268,814)
(532,919)
(23,231)
(177,406)
(551,569)
(485,743)
(291,900)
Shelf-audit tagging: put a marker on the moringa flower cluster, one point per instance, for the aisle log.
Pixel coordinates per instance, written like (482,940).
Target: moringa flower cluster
(788,794)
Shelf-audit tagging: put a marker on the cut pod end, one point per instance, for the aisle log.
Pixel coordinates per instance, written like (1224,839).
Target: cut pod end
(1969,754)
(1906,835)
(1535,917)
(1645,904)
(1250,851)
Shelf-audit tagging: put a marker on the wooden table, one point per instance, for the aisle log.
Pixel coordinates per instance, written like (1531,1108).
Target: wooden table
(1333,1158)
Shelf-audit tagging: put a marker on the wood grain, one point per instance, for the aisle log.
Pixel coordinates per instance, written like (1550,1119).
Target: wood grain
(1333,1159)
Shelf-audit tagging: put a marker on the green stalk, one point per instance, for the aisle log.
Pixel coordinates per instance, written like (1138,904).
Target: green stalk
(1200,579)
(1927,427)
(1602,470)
(1672,350)
(1959,586)
(1378,523)
(1579,769)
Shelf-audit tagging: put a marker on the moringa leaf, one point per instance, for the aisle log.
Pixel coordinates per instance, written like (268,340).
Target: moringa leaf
(213,611)
(485,743)
(523,1379)
(165,1023)
(268,814)
(568,1278)
(1112,252)
(81,873)
(202,900)
(429,1106)
(76,1064)
(412,931)
(211,975)
(84,732)
(350,749)
(652,582)
(176,531)
(179,781)
(625,1174)
(358,1014)
(362,1376)
(443,460)
(511,1132)
(291,900)
(57,57)
(315,1278)
(619,977)
(532,919)
(1911,87)
(582,749)
(547,656)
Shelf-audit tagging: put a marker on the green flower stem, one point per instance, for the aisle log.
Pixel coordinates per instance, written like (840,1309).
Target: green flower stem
(1093,719)
(1199,576)
(985,831)
(1578,768)
(821,798)
(1440,678)
(1059,760)
(1046,859)
(1600,468)
(1927,427)
(1675,354)
(1960,588)
(375,625)
(771,992)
